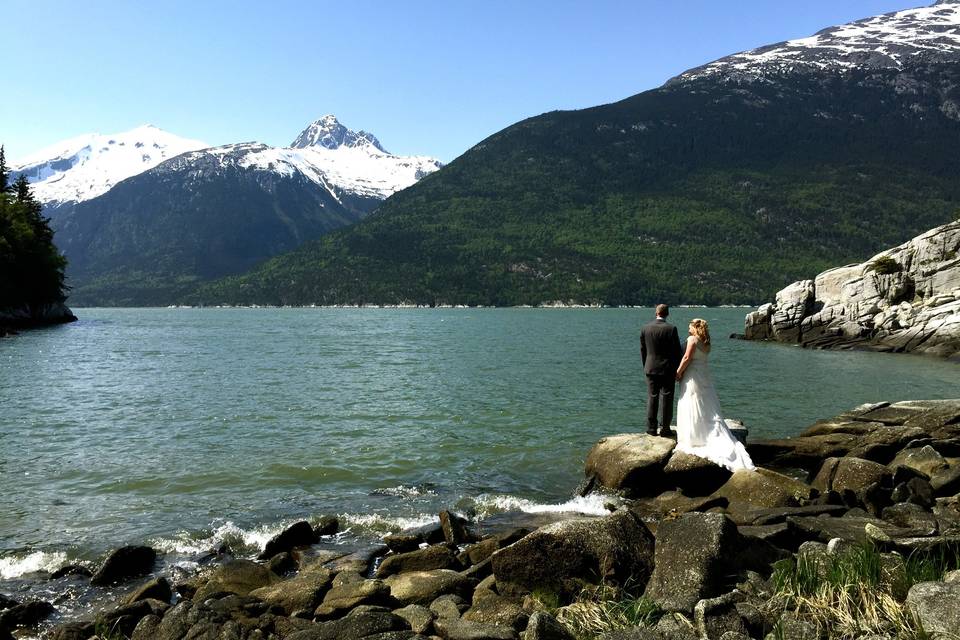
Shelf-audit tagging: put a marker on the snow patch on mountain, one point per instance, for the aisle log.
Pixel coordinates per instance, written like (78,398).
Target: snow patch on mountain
(87,166)
(888,41)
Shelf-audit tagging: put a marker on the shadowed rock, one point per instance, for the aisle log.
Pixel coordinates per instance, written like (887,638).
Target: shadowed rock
(299,534)
(564,556)
(699,555)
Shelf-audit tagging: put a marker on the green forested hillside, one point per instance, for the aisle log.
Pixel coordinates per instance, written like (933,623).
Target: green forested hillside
(700,192)
(31,267)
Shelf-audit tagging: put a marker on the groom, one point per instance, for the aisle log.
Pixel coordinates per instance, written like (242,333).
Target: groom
(660,352)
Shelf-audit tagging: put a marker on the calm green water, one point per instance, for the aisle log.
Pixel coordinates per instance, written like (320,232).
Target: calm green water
(182,427)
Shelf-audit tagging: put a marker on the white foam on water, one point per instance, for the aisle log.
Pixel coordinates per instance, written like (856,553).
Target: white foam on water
(228,533)
(405,491)
(381,524)
(491,504)
(16,566)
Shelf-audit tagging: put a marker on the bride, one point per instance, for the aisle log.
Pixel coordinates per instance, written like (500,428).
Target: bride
(701,430)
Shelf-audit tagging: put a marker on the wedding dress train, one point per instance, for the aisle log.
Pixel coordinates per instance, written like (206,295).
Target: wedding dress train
(701,430)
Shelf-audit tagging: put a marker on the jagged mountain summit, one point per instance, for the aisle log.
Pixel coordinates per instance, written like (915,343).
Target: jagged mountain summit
(87,166)
(889,41)
(328,132)
(722,186)
(332,156)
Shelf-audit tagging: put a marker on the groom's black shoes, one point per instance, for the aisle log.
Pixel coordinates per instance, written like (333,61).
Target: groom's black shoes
(667,433)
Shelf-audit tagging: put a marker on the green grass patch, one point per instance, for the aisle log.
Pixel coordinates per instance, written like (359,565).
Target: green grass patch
(858,592)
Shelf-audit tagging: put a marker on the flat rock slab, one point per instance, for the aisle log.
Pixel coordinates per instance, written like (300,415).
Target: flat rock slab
(466,630)
(423,587)
(780,514)
(630,462)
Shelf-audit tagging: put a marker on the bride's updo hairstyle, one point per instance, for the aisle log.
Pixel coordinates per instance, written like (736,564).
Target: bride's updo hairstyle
(701,330)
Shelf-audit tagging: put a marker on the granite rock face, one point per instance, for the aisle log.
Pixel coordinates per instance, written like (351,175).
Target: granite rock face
(905,299)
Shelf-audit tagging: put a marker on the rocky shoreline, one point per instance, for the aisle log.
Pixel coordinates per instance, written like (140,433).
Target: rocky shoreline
(905,299)
(688,550)
(27,317)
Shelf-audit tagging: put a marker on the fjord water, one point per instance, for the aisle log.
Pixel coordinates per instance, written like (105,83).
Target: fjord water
(183,427)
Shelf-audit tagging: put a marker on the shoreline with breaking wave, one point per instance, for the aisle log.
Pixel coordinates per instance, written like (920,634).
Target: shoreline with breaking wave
(184,554)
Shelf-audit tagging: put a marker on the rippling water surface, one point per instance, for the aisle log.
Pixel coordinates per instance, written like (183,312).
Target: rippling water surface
(181,426)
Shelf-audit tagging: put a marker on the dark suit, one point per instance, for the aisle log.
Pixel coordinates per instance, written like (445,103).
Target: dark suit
(660,352)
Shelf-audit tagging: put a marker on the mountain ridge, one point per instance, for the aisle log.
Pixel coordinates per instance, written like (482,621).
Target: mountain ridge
(715,189)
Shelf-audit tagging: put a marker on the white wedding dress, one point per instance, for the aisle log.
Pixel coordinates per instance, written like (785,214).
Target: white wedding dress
(701,430)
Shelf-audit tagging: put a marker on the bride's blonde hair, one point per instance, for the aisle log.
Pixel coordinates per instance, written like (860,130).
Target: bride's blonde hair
(701,330)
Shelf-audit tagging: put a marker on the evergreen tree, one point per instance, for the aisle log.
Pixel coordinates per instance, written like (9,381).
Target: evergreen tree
(31,267)
(4,172)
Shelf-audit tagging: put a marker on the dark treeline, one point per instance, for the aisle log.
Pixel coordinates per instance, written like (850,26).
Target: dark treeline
(31,267)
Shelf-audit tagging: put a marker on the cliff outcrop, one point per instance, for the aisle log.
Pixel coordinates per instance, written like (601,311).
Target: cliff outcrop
(905,299)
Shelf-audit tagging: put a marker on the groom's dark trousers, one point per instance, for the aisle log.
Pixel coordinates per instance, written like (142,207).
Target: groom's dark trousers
(660,352)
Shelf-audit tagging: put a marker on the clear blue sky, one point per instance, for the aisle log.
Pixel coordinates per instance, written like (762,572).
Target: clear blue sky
(428,77)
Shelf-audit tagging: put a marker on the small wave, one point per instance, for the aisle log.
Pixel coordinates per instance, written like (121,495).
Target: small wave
(378,524)
(404,491)
(236,538)
(14,566)
(489,504)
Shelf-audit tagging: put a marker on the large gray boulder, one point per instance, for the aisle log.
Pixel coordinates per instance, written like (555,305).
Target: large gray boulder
(564,556)
(630,462)
(700,555)
(937,606)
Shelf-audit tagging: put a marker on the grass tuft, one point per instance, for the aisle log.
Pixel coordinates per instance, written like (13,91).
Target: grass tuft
(857,592)
(598,610)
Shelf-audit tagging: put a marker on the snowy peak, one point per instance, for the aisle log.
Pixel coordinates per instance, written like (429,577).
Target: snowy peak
(889,41)
(87,166)
(328,132)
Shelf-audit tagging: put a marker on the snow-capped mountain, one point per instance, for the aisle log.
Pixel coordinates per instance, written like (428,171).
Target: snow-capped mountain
(889,41)
(87,166)
(216,211)
(332,156)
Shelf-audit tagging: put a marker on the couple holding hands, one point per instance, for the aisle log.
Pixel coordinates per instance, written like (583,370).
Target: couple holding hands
(701,430)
